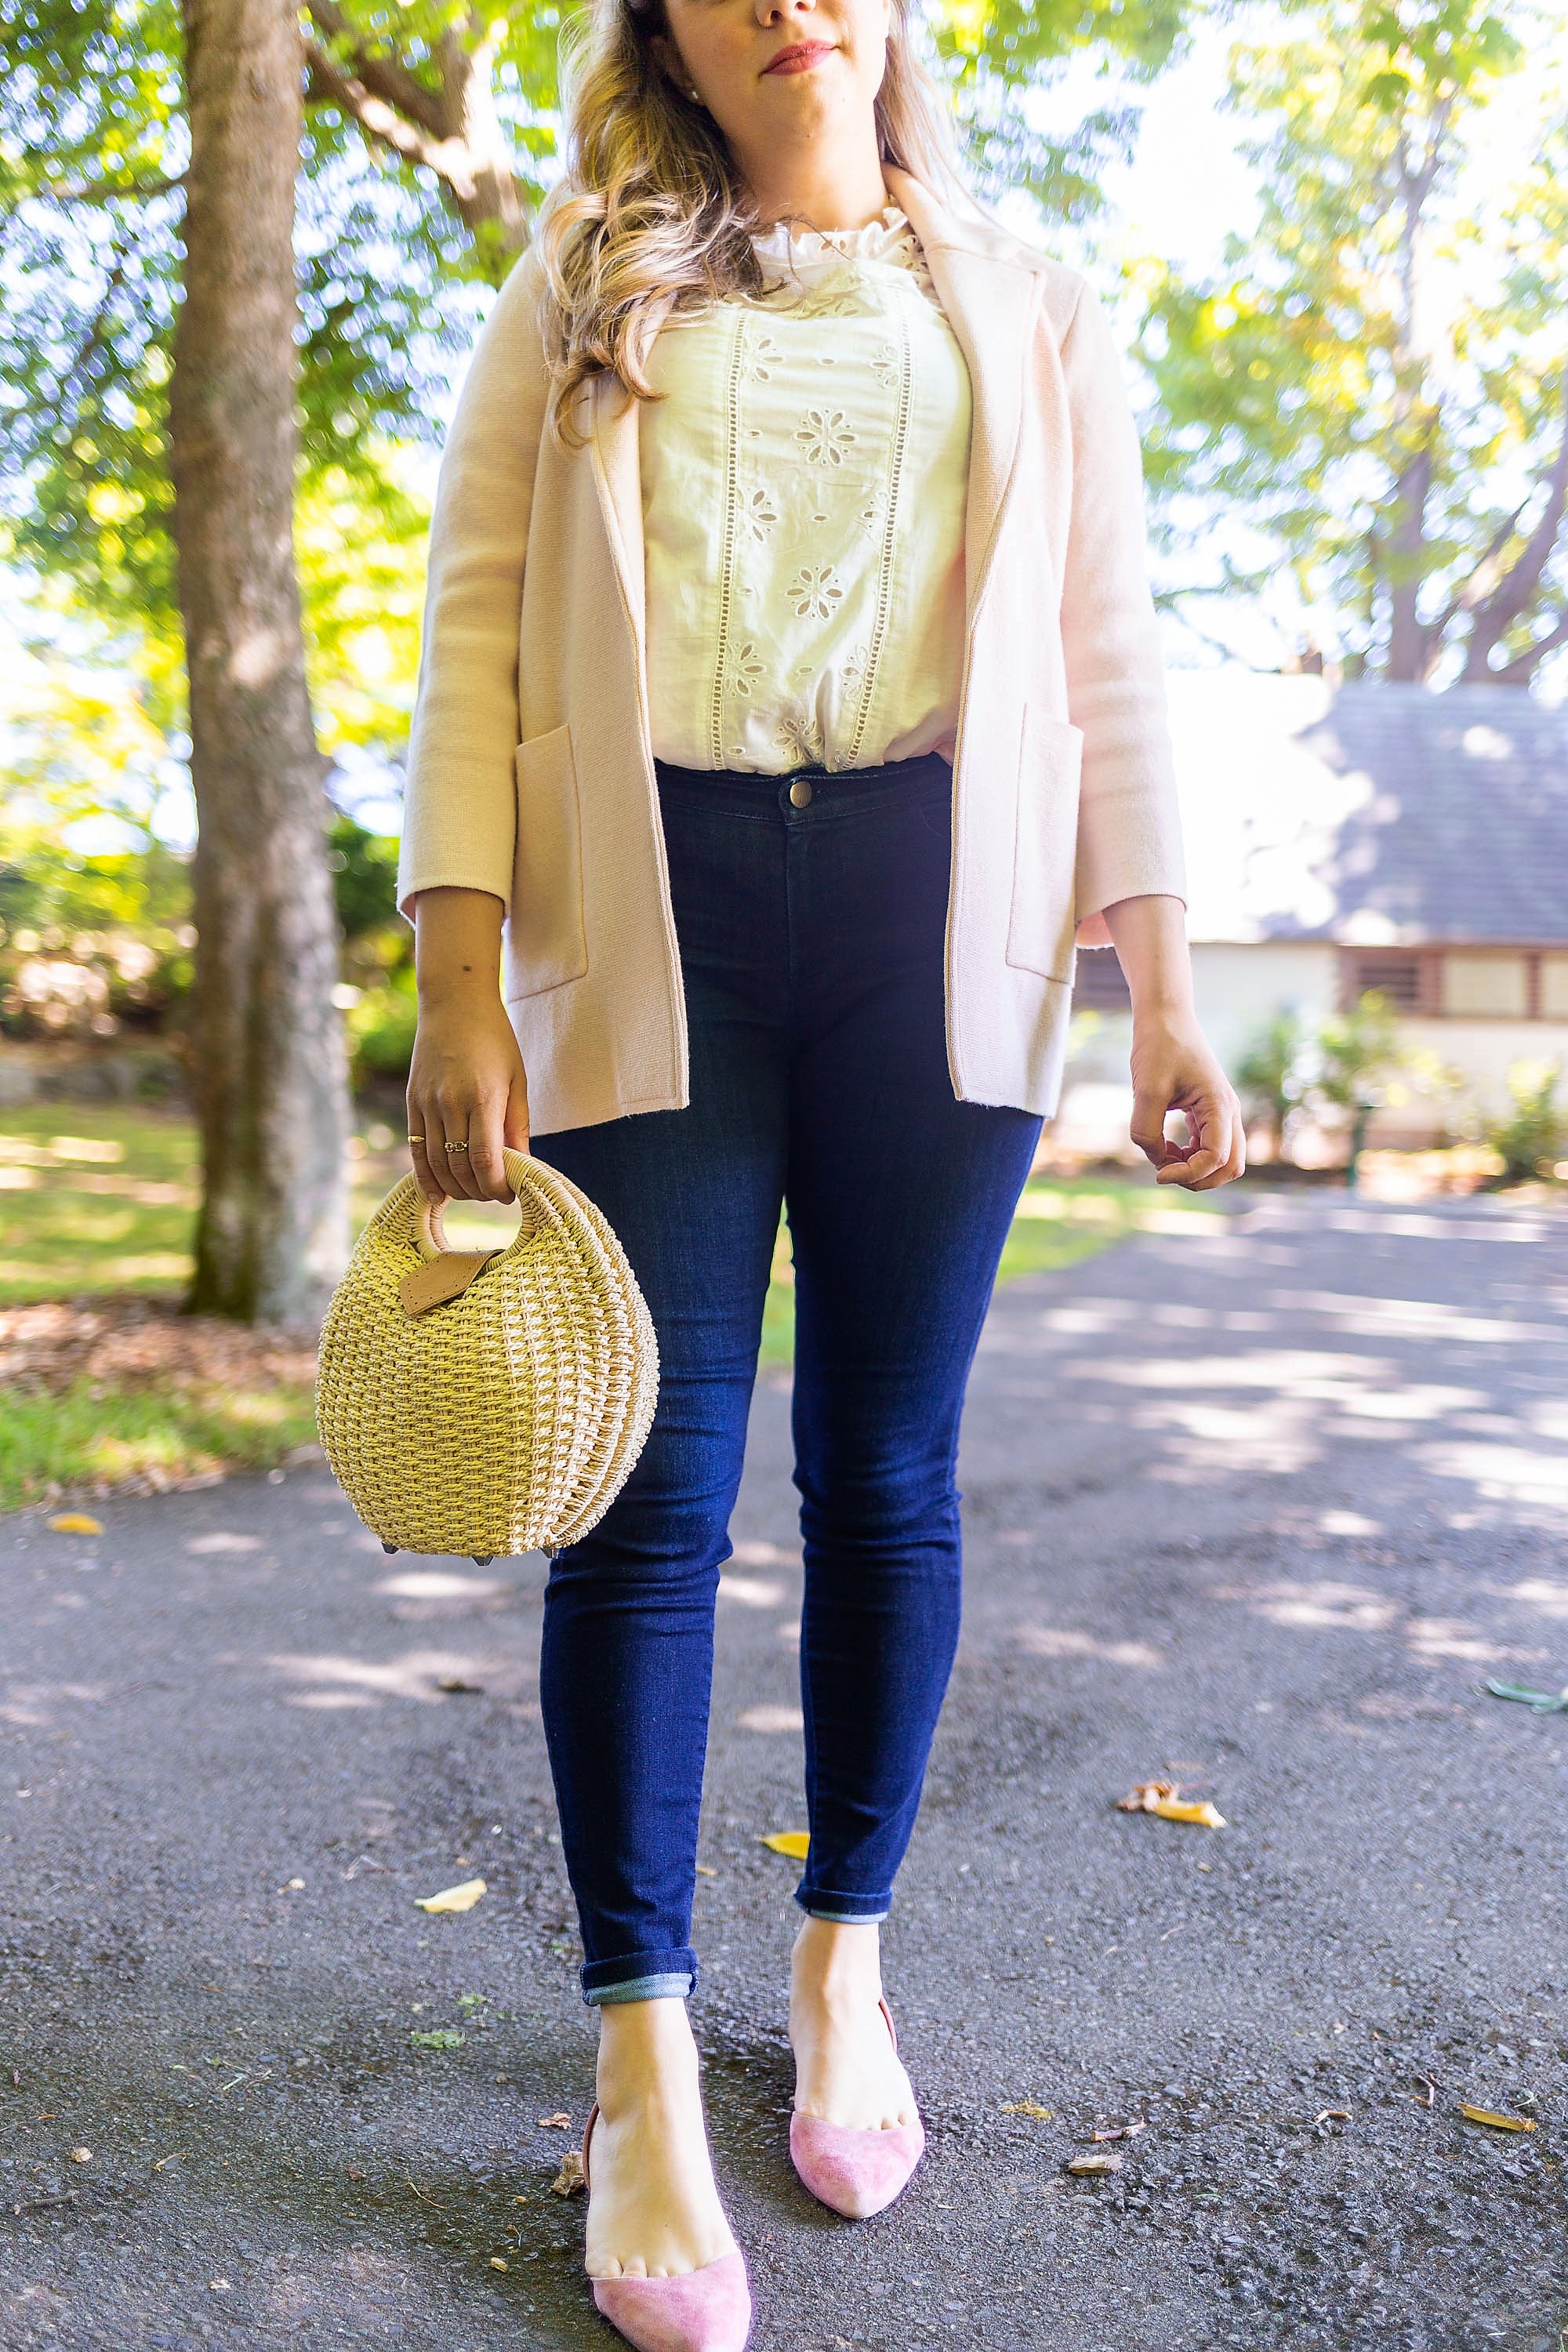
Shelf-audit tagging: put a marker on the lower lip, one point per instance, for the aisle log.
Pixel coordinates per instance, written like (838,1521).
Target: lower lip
(801,62)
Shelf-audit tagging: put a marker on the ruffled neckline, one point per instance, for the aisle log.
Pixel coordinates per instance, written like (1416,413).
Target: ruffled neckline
(889,237)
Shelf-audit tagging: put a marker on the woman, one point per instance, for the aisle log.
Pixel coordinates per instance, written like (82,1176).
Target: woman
(791,688)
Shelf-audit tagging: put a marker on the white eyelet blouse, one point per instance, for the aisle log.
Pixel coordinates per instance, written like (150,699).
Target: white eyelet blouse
(803,489)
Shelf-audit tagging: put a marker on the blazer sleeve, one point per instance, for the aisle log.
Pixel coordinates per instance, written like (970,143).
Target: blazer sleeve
(1129,833)
(460,814)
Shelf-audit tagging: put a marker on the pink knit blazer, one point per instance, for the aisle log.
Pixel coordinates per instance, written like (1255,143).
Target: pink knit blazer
(530,767)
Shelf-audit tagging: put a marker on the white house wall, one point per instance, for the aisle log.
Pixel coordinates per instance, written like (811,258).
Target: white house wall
(1238,989)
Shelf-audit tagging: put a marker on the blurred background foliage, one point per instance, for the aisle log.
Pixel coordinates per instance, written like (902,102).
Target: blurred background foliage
(396,265)
(1373,383)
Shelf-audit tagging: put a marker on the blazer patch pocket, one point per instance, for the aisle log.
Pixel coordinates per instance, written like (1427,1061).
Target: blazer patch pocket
(1041,923)
(547,943)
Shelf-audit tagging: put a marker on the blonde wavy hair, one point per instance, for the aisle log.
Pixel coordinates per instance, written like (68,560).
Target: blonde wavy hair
(651,215)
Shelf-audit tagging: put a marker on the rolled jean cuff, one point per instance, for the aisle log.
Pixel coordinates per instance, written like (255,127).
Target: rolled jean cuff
(641,1976)
(845,1910)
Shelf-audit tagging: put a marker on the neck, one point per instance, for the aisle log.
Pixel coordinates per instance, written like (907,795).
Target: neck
(815,190)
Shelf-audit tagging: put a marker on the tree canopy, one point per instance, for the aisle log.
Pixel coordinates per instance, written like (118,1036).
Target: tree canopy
(430,130)
(1376,380)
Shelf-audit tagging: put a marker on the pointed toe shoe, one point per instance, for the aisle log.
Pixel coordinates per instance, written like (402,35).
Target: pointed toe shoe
(857,2173)
(706,2310)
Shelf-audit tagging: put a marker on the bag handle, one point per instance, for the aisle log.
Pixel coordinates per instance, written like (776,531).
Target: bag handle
(429,1235)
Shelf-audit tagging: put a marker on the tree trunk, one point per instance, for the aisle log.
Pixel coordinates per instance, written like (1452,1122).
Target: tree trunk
(269,1065)
(1402,558)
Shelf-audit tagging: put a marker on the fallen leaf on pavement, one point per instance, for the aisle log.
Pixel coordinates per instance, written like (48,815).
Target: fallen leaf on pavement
(81,2156)
(561,2122)
(1165,1798)
(497,2263)
(1332,2116)
(454,1898)
(356,2173)
(704,1871)
(568,2180)
(790,1841)
(1497,2123)
(1028,2107)
(1094,2165)
(76,1523)
(1539,1702)
(444,2037)
(1120,2131)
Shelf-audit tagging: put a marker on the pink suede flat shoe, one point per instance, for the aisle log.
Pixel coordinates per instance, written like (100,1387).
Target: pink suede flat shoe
(856,2173)
(706,2310)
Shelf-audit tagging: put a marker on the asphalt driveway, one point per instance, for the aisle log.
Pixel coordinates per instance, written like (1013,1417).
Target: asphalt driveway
(1256,1505)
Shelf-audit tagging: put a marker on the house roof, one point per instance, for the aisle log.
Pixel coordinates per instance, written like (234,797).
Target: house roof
(1374,814)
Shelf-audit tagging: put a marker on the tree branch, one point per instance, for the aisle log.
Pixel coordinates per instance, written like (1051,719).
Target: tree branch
(455,136)
(103,192)
(75,372)
(375,117)
(380,77)
(1502,606)
(1520,671)
(1483,578)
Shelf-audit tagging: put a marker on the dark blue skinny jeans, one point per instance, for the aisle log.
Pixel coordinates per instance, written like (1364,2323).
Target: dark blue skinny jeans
(812,946)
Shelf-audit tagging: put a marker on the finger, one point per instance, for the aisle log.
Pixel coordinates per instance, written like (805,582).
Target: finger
(459,1147)
(515,1127)
(1148,1129)
(1236,1165)
(1204,1160)
(443,1164)
(420,1141)
(485,1164)
(440,1159)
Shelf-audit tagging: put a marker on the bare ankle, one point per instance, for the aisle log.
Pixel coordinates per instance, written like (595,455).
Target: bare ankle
(646,2047)
(837,1960)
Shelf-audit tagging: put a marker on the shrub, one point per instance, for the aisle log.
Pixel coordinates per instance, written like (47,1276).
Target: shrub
(1535,1131)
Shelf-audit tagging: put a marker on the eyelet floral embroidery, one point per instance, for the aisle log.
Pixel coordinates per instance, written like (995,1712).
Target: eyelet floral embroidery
(799,734)
(780,506)
(815,590)
(759,512)
(825,434)
(744,670)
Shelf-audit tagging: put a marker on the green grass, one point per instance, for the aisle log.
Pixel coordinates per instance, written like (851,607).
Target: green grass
(94,1199)
(95,1435)
(1058,1224)
(102,1200)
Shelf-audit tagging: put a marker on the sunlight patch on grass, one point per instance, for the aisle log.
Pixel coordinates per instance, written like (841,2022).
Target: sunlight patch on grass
(93,1438)
(109,1207)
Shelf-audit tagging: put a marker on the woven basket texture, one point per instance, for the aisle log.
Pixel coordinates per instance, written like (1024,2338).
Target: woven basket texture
(507,1420)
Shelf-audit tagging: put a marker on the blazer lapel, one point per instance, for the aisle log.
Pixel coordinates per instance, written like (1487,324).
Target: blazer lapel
(989,293)
(617,477)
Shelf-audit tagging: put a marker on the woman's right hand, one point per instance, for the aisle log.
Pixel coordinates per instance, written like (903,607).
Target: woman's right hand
(467,1085)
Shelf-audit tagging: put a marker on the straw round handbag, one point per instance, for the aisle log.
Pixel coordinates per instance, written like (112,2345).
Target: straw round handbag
(487,1402)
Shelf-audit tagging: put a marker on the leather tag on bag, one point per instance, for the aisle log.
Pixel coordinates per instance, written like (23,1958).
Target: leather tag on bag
(436,1279)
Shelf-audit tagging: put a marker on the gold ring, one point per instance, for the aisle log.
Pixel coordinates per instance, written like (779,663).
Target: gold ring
(417,1139)
(457,1146)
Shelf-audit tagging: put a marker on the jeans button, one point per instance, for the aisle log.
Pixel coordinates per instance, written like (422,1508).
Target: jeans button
(800,793)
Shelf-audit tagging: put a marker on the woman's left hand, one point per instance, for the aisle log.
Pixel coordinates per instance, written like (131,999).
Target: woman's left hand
(1175,1069)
